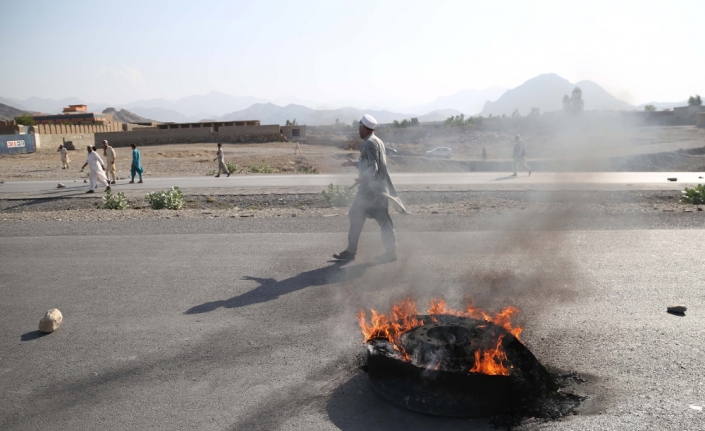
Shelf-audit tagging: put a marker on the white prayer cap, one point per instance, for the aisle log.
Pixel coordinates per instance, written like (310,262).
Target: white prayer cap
(369,121)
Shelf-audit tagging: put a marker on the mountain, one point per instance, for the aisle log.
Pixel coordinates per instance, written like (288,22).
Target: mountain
(269,113)
(546,93)
(208,105)
(48,106)
(125,116)
(9,113)
(469,102)
(164,115)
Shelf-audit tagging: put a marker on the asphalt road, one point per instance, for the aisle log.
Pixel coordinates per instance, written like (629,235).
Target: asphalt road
(450,181)
(174,325)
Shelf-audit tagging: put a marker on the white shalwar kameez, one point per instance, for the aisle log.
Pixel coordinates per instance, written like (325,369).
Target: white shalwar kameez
(97,174)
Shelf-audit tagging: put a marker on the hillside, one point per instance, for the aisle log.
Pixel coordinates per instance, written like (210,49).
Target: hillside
(469,102)
(125,116)
(9,113)
(269,113)
(546,93)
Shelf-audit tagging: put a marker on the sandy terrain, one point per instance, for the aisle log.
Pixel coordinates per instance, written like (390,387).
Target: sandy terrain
(521,203)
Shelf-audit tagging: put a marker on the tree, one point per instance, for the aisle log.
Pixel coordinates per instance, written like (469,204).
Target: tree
(395,123)
(574,104)
(337,122)
(516,113)
(25,120)
(414,121)
(695,100)
(355,123)
(649,108)
(291,123)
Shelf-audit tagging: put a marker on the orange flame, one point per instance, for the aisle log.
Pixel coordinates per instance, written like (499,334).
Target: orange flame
(491,361)
(403,318)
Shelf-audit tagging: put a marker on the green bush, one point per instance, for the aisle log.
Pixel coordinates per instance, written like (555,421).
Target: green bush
(232,168)
(170,199)
(261,169)
(210,173)
(114,202)
(337,198)
(695,196)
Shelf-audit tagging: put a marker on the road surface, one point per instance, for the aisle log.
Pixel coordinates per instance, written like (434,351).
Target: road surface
(173,324)
(256,184)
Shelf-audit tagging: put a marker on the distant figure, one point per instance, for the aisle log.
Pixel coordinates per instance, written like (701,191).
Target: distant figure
(520,155)
(297,151)
(64,156)
(484,153)
(136,164)
(222,167)
(96,169)
(109,154)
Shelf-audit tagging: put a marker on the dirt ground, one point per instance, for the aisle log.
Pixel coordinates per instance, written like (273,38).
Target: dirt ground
(179,160)
(521,203)
(679,148)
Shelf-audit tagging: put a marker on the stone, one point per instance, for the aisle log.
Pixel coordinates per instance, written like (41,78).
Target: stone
(677,308)
(51,321)
(85,181)
(60,186)
(672,179)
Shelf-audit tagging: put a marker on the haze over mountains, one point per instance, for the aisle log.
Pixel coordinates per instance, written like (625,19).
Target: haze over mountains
(544,92)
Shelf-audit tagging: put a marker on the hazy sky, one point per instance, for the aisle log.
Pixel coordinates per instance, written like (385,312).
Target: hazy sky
(383,52)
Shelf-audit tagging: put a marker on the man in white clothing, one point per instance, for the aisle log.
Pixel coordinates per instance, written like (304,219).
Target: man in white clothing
(97,170)
(109,162)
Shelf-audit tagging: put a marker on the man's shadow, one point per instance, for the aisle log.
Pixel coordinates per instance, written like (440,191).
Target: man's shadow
(270,289)
(510,177)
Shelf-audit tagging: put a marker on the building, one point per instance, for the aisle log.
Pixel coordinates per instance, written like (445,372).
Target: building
(73,114)
(214,125)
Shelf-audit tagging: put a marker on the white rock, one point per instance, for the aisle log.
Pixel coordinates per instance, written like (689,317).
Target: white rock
(60,186)
(51,320)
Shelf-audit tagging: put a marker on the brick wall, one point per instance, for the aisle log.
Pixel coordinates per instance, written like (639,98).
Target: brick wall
(75,129)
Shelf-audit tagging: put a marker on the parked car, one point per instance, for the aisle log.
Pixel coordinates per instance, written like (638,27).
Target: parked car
(440,152)
(390,151)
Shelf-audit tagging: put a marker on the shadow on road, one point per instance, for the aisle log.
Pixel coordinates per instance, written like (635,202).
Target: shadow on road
(510,177)
(270,289)
(29,336)
(354,406)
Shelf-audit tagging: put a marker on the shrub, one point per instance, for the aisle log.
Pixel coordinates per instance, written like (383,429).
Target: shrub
(210,173)
(262,169)
(337,198)
(695,196)
(232,168)
(170,199)
(114,202)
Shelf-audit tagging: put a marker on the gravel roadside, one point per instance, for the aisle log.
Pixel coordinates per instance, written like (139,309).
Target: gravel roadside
(524,203)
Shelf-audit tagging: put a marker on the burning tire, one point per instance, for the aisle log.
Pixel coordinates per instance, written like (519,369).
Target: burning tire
(452,364)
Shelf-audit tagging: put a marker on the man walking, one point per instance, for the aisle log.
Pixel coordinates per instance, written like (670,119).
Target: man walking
(520,155)
(96,169)
(373,197)
(136,164)
(109,153)
(222,167)
(484,154)
(64,156)
(297,150)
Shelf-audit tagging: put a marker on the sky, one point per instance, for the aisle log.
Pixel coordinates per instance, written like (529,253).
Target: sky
(384,53)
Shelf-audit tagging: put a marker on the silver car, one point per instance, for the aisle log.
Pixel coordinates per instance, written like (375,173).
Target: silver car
(440,152)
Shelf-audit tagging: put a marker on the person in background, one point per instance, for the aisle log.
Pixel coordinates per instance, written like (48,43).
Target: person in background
(64,156)
(484,153)
(96,169)
(373,197)
(520,155)
(109,154)
(297,150)
(136,164)
(222,167)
